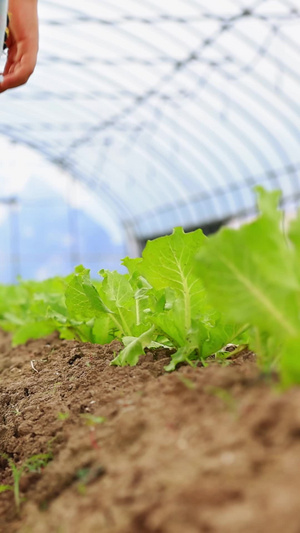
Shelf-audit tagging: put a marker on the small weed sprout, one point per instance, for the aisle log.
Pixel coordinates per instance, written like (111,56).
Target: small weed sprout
(63,416)
(55,387)
(16,411)
(33,464)
(88,475)
(225,396)
(92,420)
(188,383)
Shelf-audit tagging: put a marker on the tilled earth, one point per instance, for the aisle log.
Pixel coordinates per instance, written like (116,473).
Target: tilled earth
(213,449)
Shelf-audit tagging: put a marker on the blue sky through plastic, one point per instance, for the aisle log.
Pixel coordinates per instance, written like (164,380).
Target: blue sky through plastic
(48,223)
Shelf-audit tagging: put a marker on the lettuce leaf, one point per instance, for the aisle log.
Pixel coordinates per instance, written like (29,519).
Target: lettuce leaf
(250,273)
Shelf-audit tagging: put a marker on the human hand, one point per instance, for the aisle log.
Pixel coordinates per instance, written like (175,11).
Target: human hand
(22,43)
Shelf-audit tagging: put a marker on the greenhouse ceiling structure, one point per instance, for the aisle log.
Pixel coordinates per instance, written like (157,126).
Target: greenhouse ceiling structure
(168,112)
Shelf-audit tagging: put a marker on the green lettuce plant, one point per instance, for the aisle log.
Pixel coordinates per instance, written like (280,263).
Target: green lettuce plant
(252,276)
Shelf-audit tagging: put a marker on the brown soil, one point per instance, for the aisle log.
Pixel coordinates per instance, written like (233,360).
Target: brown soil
(201,450)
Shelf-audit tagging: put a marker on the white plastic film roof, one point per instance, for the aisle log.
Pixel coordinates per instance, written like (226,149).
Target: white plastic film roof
(169,111)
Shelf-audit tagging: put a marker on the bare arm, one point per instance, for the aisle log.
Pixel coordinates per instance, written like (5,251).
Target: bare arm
(22,43)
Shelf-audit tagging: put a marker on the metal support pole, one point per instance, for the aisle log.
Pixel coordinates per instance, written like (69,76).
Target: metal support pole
(15,256)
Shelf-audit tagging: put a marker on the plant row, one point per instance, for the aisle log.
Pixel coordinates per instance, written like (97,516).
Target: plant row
(188,292)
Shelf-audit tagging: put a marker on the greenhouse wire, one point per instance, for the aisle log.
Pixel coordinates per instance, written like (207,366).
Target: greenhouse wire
(166,121)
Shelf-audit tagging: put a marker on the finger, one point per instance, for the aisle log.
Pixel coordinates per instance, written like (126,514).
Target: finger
(9,63)
(17,75)
(13,57)
(17,71)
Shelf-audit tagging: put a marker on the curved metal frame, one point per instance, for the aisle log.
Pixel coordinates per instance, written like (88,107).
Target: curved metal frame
(205,156)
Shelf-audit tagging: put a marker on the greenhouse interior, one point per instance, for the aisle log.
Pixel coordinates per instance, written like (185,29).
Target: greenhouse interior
(149,266)
(141,118)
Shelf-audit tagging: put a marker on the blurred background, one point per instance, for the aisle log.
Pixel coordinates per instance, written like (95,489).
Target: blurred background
(143,116)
